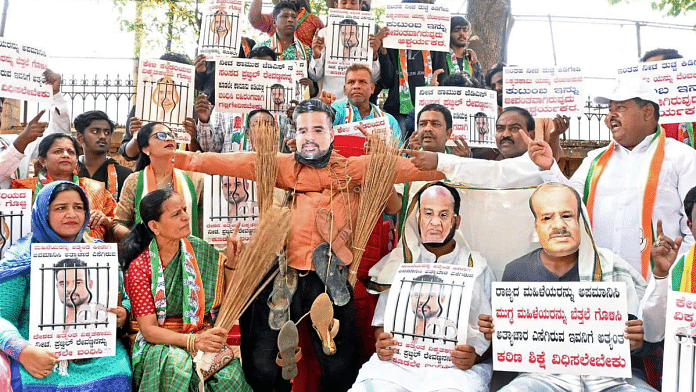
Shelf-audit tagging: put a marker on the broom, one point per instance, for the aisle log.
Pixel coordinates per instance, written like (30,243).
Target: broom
(265,141)
(256,260)
(376,187)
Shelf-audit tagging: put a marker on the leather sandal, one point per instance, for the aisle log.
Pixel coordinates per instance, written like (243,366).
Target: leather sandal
(332,272)
(323,322)
(289,353)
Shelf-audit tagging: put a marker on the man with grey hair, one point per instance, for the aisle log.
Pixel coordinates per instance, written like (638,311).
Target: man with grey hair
(326,193)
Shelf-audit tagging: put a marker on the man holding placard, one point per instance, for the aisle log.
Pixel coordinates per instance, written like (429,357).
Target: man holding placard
(432,237)
(568,254)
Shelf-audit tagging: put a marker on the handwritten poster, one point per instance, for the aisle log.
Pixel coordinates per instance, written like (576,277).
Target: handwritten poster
(674,82)
(680,343)
(165,94)
(347,40)
(417,26)
(545,92)
(21,69)
(15,216)
(220,29)
(72,286)
(473,111)
(561,328)
(428,312)
(243,85)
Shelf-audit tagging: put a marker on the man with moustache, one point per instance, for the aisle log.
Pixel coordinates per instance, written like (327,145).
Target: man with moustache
(326,192)
(461,58)
(568,254)
(431,237)
(94,132)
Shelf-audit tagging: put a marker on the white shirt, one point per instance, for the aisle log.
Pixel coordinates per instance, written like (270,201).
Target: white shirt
(618,198)
(508,173)
(433,379)
(9,161)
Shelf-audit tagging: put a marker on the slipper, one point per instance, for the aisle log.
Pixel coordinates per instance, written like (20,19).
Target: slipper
(277,318)
(323,322)
(289,353)
(337,239)
(284,286)
(327,266)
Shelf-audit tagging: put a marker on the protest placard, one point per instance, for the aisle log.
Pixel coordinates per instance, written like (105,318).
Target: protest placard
(674,82)
(15,216)
(72,286)
(243,85)
(545,92)
(233,201)
(220,28)
(375,126)
(347,40)
(165,94)
(680,343)
(561,328)
(417,26)
(428,312)
(473,111)
(301,91)
(21,72)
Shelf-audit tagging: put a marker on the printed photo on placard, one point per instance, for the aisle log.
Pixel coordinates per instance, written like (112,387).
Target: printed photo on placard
(234,201)
(72,286)
(165,94)
(348,40)
(220,28)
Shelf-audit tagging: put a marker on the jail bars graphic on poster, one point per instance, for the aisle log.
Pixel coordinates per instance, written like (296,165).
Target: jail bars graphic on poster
(220,29)
(165,94)
(21,72)
(561,328)
(347,37)
(680,343)
(243,85)
(545,91)
(673,83)
(473,112)
(428,312)
(72,286)
(15,216)
(234,201)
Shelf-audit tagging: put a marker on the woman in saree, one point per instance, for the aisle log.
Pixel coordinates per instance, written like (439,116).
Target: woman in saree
(174,315)
(60,215)
(155,170)
(58,156)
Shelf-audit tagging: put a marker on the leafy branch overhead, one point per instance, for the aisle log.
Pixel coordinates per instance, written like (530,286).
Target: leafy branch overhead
(672,7)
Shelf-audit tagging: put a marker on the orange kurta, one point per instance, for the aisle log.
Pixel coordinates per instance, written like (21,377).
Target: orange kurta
(337,185)
(97,194)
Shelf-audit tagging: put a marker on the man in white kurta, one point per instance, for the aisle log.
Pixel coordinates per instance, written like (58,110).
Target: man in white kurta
(380,373)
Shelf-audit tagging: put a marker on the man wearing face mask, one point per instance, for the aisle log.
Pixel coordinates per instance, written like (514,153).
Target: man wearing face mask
(430,236)
(326,193)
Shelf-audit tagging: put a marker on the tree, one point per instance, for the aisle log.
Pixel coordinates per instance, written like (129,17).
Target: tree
(674,7)
(491,22)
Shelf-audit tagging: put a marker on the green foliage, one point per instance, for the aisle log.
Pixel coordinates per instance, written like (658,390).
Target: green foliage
(672,7)
(157,17)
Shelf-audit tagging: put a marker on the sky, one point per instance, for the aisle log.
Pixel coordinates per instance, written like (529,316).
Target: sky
(83,36)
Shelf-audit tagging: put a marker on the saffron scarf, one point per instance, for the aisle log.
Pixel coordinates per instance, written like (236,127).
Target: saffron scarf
(405,102)
(352,112)
(300,50)
(650,174)
(181,183)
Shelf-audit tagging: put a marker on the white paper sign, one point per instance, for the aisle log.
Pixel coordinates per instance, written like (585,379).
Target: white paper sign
(243,85)
(545,92)
(165,94)
(21,69)
(428,313)
(234,201)
(417,26)
(473,111)
(348,40)
(674,82)
(15,216)
(680,343)
(72,286)
(561,328)
(375,126)
(220,29)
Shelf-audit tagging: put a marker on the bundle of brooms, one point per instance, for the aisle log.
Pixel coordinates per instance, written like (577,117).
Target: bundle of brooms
(376,187)
(256,260)
(265,141)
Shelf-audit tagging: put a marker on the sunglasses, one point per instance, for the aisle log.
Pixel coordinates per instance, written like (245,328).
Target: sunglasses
(161,135)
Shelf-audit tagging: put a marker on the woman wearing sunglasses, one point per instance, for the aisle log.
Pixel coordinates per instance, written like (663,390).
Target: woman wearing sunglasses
(155,170)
